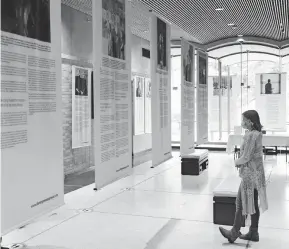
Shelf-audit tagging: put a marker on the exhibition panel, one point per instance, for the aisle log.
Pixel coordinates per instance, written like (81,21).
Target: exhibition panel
(31,111)
(161,90)
(81,107)
(187,99)
(202,98)
(112,91)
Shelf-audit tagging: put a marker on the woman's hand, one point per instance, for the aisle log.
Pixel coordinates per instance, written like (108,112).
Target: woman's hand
(237,165)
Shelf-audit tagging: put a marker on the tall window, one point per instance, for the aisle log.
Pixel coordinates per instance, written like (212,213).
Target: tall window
(256,59)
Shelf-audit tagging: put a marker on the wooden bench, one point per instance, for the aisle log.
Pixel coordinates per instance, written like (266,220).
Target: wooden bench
(195,163)
(224,199)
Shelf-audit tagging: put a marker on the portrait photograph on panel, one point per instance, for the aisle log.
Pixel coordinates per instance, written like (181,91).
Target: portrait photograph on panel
(27,18)
(81,82)
(202,71)
(162,45)
(113,28)
(270,84)
(139,92)
(148,88)
(188,59)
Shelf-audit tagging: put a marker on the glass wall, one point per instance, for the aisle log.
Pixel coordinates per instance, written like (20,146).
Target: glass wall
(255,59)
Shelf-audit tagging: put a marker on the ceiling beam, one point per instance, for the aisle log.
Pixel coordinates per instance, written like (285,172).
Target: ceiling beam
(234,41)
(285,44)
(251,52)
(247,39)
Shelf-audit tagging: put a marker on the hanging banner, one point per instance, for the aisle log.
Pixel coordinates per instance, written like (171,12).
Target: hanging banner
(31,115)
(139,105)
(112,91)
(148,105)
(187,99)
(202,98)
(81,107)
(271,100)
(161,91)
(215,92)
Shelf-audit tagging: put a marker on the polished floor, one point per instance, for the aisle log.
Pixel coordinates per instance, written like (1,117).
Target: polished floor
(156,209)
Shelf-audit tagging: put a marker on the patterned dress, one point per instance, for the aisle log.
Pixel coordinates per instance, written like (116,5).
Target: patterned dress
(252,172)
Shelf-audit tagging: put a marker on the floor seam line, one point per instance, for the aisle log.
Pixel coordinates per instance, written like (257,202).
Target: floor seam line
(34,236)
(131,187)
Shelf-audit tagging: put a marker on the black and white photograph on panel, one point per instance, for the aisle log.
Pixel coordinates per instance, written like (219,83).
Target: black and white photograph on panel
(162,44)
(81,82)
(202,71)
(226,85)
(139,92)
(113,28)
(188,59)
(27,18)
(148,88)
(270,83)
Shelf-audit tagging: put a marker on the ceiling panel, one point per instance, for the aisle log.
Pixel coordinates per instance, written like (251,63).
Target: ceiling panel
(259,18)
(140,23)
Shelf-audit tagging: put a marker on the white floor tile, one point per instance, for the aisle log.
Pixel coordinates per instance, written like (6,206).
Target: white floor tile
(87,198)
(271,238)
(161,204)
(101,231)
(176,183)
(188,235)
(39,226)
(277,216)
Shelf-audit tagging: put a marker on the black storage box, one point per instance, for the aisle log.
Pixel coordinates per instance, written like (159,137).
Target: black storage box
(224,211)
(193,166)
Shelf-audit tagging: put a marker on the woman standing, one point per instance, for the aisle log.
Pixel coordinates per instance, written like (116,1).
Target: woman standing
(253,183)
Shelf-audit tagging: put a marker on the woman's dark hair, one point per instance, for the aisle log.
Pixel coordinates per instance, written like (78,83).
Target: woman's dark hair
(253,116)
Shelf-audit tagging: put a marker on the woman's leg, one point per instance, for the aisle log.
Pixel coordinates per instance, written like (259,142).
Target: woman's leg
(255,217)
(238,215)
(234,233)
(253,234)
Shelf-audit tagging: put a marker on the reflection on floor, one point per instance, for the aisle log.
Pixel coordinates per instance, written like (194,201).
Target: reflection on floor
(157,209)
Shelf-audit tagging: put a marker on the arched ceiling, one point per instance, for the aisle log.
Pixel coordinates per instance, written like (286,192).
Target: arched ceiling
(140,24)
(198,21)
(255,18)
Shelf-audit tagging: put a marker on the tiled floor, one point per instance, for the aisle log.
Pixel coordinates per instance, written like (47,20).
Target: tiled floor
(157,209)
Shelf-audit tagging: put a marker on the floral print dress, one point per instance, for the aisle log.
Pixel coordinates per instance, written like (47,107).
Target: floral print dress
(252,172)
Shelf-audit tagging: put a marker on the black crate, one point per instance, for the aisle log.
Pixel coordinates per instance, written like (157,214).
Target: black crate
(224,211)
(193,166)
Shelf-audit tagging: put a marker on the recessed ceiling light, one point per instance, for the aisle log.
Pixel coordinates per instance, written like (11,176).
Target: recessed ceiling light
(240,35)
(219,9)
(231,24)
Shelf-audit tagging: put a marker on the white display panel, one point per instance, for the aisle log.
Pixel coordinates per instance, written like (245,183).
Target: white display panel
(271,100)
(213,91)
(202,98)
(187,99)
(161,91)
(139,105)
(31,115)
(112,90)
(81,107)
(148,106)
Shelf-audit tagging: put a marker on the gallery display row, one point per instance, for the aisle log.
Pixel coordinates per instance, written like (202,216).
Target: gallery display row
(31,101)
(31,96)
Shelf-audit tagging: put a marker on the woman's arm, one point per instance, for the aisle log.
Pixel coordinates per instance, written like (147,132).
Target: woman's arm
(249,148)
